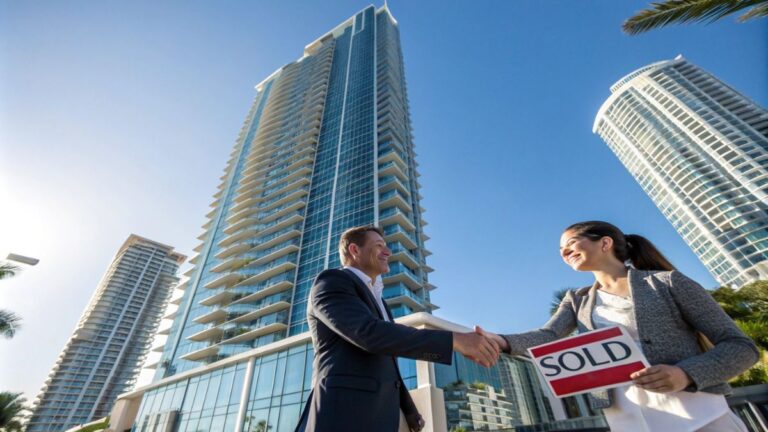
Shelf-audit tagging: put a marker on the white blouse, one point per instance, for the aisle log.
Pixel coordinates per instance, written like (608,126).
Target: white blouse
(636,409)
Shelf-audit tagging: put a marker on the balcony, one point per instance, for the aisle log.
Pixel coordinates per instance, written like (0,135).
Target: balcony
(402,254)
(399,273)
(267,271)
(229,265)
(255,230)
(201,353)
(285,193)
(172,314)
(390,182)
(245,312)
(396,233)
(274,252)
(258,332)
(220,298)
(300,177)
(278,237)
(225,280)
(260,291)
(214,315)
(394,215)
(209,333)
(400,294)
(394,198)
(262,171)
(392,168)
(236,248)
(392,155)
(265,216)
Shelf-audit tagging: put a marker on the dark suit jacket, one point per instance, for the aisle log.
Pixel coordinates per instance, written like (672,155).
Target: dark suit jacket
(356,382)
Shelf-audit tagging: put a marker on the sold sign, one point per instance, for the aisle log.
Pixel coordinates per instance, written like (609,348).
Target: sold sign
(591,361)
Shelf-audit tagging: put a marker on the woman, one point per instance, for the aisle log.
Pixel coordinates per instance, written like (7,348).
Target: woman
(666,313)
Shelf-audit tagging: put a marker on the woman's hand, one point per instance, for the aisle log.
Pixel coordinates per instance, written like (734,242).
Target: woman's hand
(500,341)
(661,379)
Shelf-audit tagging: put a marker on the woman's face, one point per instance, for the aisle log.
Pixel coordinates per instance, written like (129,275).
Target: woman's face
(581,253)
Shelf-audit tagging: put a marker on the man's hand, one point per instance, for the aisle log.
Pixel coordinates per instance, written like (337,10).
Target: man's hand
(661,379)
(476,347)
(500,341)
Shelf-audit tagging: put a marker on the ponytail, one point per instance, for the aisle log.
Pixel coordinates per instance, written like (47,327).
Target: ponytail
(644,255)
(631,247)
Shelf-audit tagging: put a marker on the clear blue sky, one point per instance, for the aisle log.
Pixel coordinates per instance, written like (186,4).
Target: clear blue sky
(118,117)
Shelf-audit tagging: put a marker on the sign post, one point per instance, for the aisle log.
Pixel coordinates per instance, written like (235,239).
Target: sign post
(597,360)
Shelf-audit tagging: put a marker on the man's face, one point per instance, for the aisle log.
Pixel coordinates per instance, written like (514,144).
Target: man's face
(373,256)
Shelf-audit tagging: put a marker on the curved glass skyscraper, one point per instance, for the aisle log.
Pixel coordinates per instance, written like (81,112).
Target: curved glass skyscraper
(326,146)
(699,149)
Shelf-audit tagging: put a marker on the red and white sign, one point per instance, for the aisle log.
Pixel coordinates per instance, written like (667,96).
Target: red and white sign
(597,360)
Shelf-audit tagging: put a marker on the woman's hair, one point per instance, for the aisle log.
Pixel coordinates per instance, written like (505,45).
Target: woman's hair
(639,250)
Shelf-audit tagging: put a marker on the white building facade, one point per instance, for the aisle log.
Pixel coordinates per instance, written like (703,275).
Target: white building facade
(699,149)
(104,356)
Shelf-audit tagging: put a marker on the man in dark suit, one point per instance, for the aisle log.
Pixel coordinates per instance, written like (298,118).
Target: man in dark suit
(356,383)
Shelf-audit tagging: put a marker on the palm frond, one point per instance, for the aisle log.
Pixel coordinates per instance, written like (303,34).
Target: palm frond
(9,323)
(11,408)
(682,11)
(8,270)
(759,11)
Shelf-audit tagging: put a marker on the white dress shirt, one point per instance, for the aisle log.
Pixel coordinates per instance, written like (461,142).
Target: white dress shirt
(376,287)
(638,410)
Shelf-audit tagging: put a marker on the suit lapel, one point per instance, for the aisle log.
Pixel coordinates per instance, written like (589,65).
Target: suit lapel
(366,293)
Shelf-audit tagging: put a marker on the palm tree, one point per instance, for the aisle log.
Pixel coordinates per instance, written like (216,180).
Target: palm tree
(8,270)
(11,408)
(9,321)
(683,11)
(748,306)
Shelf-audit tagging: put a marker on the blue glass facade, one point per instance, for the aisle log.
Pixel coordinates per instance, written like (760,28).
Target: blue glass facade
(326,146)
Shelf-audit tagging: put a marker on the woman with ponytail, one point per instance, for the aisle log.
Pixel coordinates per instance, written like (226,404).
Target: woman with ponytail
(667,314)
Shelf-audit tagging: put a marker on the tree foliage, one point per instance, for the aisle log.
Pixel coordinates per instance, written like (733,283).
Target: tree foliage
(748,307)
(11,411)
(9,321)
(668,12)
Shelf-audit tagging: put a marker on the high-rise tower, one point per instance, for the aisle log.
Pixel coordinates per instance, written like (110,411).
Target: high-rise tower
(103,357)
(326,146)
(699,149)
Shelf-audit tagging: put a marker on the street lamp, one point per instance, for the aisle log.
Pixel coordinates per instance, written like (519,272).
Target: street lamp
(22,259)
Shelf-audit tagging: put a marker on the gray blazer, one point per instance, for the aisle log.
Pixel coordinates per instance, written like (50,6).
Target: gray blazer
(669,309)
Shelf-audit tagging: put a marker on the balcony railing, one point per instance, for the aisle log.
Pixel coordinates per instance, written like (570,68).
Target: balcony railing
(395,215)
(399,272)
(397,233)
(402,254)
(402,294)
(395,198)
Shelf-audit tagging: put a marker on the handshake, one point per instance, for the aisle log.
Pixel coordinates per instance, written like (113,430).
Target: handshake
(480,346)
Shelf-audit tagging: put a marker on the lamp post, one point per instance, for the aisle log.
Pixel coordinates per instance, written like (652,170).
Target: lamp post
(22,259)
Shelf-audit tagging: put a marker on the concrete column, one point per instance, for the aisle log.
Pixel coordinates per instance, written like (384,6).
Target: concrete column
(244,395)
(123,414)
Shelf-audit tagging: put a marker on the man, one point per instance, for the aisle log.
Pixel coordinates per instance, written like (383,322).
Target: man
(356,383)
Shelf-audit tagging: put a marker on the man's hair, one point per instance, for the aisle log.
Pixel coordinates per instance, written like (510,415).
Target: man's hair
(356,235)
